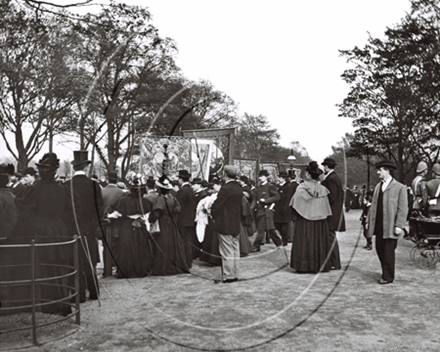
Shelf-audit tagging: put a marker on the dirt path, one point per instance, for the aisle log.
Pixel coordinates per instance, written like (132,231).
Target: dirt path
(272,309)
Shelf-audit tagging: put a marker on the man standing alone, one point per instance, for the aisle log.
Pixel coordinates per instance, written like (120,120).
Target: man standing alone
(336,221)
(387,217)
(226,212)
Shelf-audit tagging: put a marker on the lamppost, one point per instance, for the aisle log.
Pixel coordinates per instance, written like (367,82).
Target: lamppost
(291,159)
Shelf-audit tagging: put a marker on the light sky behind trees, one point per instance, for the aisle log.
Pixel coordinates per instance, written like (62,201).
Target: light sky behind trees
(278,58)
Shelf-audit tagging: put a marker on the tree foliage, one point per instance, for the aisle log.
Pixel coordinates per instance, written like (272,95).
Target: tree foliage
(393,97)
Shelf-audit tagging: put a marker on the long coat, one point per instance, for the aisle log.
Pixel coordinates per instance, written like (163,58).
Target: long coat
(226,209)
(336,221)
(395,209)
(187,201)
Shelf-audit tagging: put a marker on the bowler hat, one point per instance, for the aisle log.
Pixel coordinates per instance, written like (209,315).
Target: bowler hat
(283,173)
(436,169)
(6,169)
(329,162)
(49,160)
(230,170)
(183,174)
(263,172)
(196,181)
(387,164)
(421,166)
(29,171)
(112,176)
(80,157)
(150,181)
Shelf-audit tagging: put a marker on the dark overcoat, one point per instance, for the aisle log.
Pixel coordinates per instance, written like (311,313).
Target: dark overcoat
(187,201)
(226,209)
(336,221)
(282,209)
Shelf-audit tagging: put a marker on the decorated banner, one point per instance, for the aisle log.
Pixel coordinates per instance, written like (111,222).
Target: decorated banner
(247,167)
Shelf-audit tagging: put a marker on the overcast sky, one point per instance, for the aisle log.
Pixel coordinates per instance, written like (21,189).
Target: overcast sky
(277,58)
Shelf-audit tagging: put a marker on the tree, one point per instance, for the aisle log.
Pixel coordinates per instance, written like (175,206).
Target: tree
(128,59)
(255,137)
(393,97)
(34,88)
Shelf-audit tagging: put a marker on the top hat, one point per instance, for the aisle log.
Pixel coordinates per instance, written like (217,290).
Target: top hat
(49,160)
(196,181)
(183,174)
(386,163)
(283,173)
(29,171)
(80,157)
(112,176)
(263,172)
(329,162)
(6,169)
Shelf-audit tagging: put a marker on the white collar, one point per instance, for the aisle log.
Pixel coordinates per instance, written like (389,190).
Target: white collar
(385,183)
(79,172)
(328,173)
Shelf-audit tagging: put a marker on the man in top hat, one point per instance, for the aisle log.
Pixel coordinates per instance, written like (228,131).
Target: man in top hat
(283,214)
(92,209)
(8,213)
(433,187)
(266,196)
(185,221)
(387,217)
(336,221)
(226,212)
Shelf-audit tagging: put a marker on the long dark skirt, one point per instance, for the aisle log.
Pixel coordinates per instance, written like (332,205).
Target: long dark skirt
(311,245)
(134,255)
(169,252)
(211,251)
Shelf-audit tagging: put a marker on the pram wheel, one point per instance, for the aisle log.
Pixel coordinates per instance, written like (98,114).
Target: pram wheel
(424,256)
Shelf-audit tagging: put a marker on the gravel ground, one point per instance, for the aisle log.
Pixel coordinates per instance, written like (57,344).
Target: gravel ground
(270,309)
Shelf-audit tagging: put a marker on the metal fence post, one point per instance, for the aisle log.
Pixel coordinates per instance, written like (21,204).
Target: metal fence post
(33,289)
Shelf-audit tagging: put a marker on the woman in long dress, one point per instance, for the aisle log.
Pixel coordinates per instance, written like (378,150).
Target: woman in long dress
(311,247)
(210,251)
(169,255)
(247,225)
(134,255)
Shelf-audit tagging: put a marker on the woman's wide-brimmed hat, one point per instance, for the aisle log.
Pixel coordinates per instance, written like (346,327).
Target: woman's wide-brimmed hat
(135,180)
(387,164)
(164,183)
(80,157)
(49,160)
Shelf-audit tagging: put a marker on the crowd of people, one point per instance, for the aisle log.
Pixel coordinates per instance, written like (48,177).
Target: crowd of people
(160,226)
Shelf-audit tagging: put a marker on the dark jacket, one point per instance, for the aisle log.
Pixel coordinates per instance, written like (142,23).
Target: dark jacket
(226,209)
(92,205)
(8,213)
(187,201)
(336,221)
(282,209)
